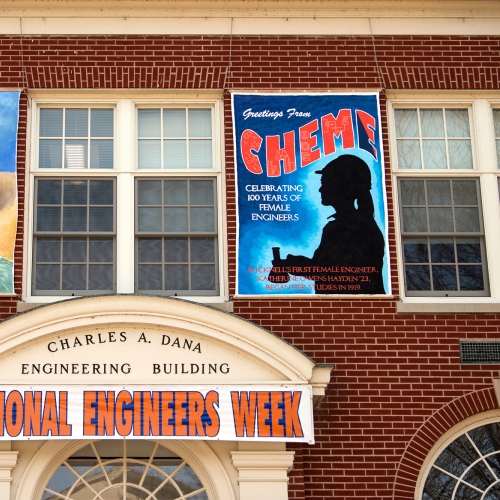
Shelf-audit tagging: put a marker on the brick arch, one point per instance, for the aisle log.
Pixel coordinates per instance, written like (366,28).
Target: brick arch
(433,429)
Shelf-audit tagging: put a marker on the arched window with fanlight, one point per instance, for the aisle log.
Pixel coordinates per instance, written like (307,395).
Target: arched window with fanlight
(124,470)
(468,468)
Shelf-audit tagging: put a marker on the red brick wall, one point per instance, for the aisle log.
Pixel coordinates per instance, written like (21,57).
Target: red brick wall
(392,372)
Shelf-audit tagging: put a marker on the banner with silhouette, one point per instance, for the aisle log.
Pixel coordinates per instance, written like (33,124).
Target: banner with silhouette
(311,201)
(9,117)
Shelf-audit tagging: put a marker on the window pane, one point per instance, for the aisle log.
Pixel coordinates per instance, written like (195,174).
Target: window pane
(77,123)
(149,192)
(75,250)
(406,122)
(176,277)
(200,123)
(149,219)
(51,121)
(468,250)
(201,192)
(465,192)
(441,220)
(434,154)
(47,277)
(101,219)
(200,154)
(75,192)
(202,277)
(432,122)
(149,250)
(174,123)
(74,277)
(48,219)
(467,220)
(75,219)
(101,123)
(409,154)
(149,154)
(414,220)
(62,480)
(135,473)
(457,123)
(415,250)
(442,250)
(49,192)
(176,220)
(175,154)
(202,220)
(101,250)
(175,192)
(101,192)
(471,278)
(438,193)
(101,153)
(187,480)
(412,193)
(48,250)
(75,153)
(167,492)
(149,123)
(202,250)
(176,250)
(444,278)
(149,277)
(50,153)
(460,153)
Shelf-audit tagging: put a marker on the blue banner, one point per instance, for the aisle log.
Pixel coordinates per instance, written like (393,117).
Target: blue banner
(311,201)
(9,117)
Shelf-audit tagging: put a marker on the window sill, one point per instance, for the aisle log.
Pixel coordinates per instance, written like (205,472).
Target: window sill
(456,307)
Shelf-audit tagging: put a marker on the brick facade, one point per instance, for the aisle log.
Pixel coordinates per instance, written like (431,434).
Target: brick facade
(395,374)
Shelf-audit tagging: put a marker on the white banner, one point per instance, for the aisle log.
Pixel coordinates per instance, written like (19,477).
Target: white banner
(228,413)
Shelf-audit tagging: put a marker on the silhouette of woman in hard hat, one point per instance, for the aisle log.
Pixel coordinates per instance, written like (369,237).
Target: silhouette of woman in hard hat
(353,239)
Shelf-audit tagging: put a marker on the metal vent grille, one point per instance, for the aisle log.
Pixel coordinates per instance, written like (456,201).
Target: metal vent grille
(479,352)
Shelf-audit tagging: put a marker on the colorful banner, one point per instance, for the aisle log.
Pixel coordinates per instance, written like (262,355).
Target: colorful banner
(231,413)
(9,117)
(312,215)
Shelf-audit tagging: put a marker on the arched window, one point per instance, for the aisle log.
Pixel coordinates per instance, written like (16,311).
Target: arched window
(468,468)
(124,470)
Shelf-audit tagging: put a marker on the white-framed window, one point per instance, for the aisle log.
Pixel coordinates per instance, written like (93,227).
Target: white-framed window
(125,196)
(447,210)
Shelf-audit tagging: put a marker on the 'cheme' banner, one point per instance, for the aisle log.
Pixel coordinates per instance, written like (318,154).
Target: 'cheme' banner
(222,413)
(312,215)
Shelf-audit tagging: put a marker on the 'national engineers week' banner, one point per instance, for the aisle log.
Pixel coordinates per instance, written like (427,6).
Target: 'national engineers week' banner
(228,413)
(312,213)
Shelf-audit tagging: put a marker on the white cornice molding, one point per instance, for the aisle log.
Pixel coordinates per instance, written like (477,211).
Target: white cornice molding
(249,17)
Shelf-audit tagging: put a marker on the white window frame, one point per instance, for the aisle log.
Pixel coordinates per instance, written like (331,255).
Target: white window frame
(485,168)
(125,171)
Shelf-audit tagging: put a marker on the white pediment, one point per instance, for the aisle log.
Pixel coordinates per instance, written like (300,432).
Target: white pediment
(125,339)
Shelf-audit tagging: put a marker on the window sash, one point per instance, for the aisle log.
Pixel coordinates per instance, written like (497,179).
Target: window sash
(185,253)
(438,262)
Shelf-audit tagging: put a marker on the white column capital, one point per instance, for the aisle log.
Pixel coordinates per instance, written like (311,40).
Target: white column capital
(263,474)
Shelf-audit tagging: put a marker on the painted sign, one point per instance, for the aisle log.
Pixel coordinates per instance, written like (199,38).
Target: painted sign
(311,200)
(231,413)
(9,117)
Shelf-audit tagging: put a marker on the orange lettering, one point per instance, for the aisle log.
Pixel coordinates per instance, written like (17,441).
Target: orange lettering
(292,420)
(32,413)
(195,412)
(212,399)
(105,413)
(181,413)
(167,413)
(14,413)
(151,417)
(124,415)
(264,414)
(50,421)
(277,420)
(244,410)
